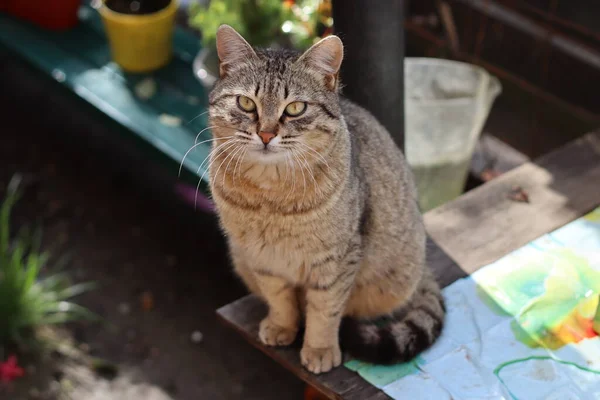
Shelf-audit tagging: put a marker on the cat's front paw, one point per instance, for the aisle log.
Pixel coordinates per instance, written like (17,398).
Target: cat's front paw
(320,360)
(275,335)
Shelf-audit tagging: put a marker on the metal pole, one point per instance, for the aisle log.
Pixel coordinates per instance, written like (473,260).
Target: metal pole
(373,69)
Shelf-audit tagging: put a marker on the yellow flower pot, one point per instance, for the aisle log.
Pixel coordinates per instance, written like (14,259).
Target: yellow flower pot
(140,42)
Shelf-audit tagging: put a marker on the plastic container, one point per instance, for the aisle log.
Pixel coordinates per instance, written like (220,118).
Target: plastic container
(447,104)
(140,42)
(55,15)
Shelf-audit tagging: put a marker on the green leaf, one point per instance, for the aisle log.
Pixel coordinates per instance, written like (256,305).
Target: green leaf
(76,290)
(74,313)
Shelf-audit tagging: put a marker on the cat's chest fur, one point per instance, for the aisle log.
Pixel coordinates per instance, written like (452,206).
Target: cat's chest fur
(279,238)
(283,245)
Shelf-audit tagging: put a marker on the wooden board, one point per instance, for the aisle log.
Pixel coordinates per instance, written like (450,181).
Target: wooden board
(476,229)
(485,224)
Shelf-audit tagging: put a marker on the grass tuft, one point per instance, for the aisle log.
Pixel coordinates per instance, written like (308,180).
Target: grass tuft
(27,300)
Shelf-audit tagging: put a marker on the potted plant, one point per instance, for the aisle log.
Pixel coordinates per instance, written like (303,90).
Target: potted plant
(140,32)
(265,23)
(54,15)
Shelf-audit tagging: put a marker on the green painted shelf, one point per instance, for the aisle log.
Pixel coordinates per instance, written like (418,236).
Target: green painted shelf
(80,60)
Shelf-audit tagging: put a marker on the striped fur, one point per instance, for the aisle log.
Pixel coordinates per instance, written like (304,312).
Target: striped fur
(322,222)
(398,337)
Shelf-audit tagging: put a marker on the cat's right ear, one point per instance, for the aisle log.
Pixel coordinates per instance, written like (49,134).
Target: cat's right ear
(325,57)
(232,48)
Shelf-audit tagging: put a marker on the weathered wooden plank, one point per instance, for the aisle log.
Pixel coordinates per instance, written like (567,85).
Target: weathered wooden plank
(367,392)
(485,224)
(377,396)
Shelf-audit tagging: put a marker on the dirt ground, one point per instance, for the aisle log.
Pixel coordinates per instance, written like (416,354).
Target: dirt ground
(161,268)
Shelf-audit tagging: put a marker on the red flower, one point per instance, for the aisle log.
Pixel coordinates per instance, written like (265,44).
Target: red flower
(9,370)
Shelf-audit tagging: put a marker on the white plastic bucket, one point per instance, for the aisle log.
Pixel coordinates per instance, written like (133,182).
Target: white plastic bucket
(447,104)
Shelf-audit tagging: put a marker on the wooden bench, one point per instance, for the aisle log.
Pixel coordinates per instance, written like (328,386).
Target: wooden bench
(478,228)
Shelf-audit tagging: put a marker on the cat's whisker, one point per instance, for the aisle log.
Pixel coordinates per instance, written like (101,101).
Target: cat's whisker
(196,195)
(202,131)
(286,169)
(237,164)
(212,152)
(212,160)
(309,169)
(293,174)
(316,153)
(293,169)
(197,116)
(233,155)
(303,175)
(193,147)
(208,158)
(216,174)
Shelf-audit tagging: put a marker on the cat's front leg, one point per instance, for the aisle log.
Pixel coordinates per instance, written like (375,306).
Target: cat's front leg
(326,297)
(280,326)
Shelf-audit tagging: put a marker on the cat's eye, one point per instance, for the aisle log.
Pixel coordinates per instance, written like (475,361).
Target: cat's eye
(246,103)
(295,109)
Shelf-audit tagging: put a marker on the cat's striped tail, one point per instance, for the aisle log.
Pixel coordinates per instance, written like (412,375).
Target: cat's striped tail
(401,336)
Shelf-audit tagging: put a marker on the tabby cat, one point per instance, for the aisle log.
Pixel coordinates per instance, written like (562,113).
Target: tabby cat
(319,208)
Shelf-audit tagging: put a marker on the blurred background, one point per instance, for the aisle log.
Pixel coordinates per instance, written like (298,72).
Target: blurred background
(120,265)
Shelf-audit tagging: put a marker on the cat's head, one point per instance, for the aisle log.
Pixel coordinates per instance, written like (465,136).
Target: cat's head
(276,105)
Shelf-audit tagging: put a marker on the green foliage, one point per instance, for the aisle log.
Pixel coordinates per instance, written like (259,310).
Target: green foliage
(261,22)
(26,301)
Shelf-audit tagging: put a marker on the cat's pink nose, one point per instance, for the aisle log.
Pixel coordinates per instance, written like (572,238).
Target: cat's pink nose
(266,137)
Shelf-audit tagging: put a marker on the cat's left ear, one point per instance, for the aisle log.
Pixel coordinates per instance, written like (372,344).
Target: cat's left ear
(325,57)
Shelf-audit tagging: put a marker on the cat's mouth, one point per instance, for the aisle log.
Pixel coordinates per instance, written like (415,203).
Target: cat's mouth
(268,154)
(266,149)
